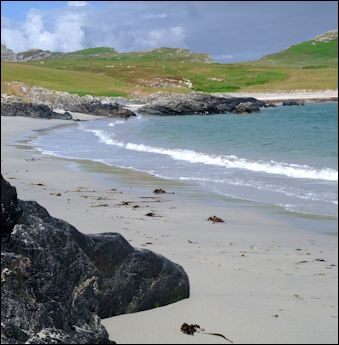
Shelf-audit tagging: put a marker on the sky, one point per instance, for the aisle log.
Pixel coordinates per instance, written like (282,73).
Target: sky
(228,30)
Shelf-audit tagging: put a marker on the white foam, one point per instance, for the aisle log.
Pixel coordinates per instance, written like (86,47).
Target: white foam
(228,161)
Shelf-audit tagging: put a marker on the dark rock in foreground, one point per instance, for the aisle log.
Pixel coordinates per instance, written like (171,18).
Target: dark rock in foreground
(34,110)
(10,211)
(56,282)
(199,104)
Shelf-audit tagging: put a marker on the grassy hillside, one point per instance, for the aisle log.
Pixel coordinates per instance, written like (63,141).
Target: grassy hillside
(103,71)
(320,52)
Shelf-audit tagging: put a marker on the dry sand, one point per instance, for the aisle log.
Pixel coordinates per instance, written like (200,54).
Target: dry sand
(280,96)
(254,279)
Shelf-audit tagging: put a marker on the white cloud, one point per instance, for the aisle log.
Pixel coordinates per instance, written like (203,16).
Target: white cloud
(170,37)
(67,35)
(77,3)
(76,27)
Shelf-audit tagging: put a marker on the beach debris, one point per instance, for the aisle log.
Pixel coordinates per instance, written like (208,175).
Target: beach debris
(215,219)
(275,315)
(136,206)
(191,329)
(159,191)
(150,214)
(297,296)
(125,203)
(100,205)
(302,262)
(37,184)
(56,194)
(320,260)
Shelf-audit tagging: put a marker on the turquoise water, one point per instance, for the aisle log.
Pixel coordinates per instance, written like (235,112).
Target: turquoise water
(284,156)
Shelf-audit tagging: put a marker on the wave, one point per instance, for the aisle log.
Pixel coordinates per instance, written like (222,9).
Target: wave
(228,161)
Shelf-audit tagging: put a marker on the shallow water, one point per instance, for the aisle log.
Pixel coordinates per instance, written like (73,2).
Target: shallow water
(284,156)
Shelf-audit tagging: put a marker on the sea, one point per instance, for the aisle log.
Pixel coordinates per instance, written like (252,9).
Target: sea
(286,156)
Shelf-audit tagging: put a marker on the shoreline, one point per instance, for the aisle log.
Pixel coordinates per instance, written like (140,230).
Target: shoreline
(242,272)
(278,97)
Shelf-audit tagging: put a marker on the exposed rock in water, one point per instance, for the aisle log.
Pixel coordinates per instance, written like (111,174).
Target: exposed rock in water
(197,103)
(15,107)
(99,108)
(56,282)
(287,103)
(246,107)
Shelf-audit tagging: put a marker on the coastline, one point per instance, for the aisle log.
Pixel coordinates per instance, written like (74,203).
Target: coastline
(278,97)
(242,272)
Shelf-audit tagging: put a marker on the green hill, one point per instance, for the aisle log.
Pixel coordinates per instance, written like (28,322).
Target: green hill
(103,71)
(319,52)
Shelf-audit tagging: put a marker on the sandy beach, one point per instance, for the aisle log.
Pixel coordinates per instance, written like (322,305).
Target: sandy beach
(254,278)
(296,95)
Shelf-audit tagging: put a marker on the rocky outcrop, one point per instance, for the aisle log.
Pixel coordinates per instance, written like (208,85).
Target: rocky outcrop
(7,54)
(56,282)
(16,107)
(246,108)
(99,108)
(29,55)
(197,103)
(104,106)
(290,102)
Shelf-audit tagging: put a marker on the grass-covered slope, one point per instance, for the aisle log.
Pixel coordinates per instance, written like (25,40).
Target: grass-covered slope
(103,71)
(321,52)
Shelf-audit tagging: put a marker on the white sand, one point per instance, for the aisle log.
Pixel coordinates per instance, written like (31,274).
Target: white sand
(242,272)
(289,95)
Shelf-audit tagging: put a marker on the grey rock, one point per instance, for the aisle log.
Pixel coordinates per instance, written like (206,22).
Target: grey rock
(7,54)
(246,107)
(270,105)
(104,106)
(16,107)
(104,109)
(56,282)
(290,102)
(195,103)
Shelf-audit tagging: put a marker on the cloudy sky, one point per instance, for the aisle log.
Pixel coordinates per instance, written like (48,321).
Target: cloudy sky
(228,30)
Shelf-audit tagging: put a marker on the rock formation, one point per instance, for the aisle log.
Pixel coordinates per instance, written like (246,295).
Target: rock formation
(12,106)
(56,282)
(292,102)
(246,107)
(104,106)
(7,54)
(197,103)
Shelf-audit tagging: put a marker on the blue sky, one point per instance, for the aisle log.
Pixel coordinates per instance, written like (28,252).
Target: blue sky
(228,30)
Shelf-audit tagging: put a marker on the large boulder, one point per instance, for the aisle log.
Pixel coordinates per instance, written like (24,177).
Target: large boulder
(196,103)
(56,282)
(10,210)
(14,107)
